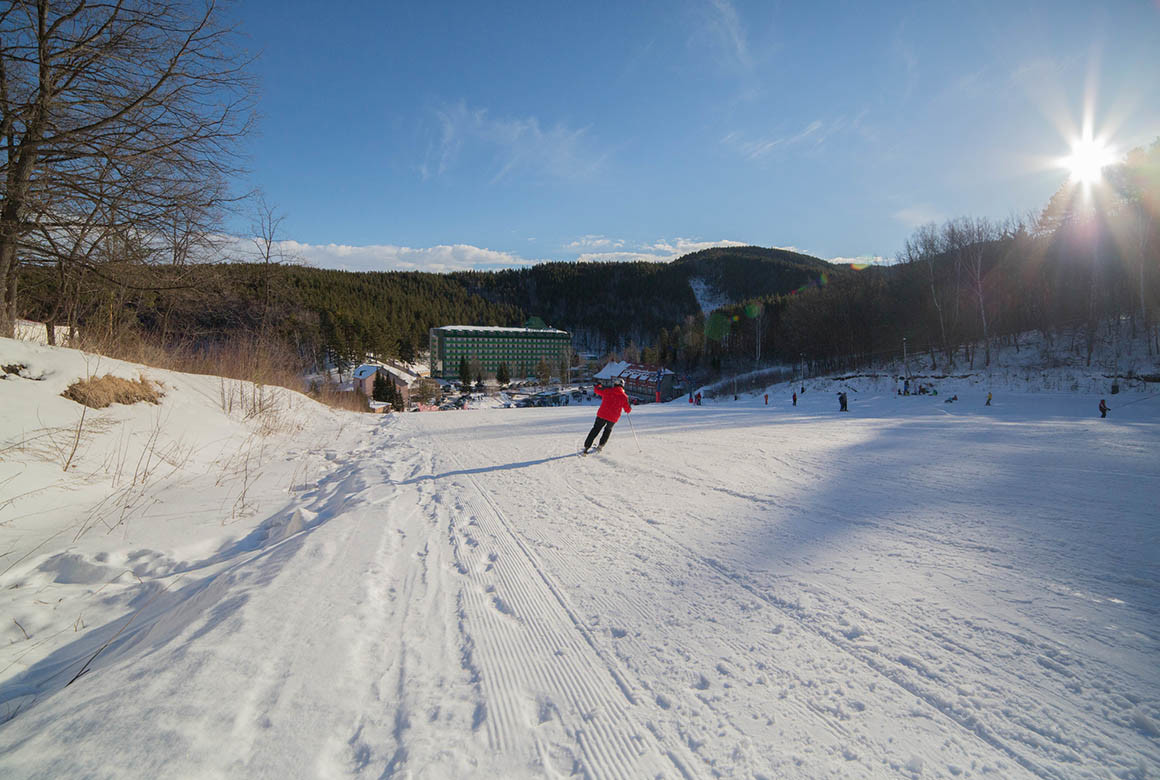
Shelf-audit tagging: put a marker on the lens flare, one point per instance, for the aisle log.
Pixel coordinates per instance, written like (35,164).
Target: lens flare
(1087,160)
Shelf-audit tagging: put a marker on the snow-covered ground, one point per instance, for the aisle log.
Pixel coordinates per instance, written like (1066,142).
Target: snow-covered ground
(911,589)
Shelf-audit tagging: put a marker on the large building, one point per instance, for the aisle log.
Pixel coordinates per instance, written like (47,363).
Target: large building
(485,348)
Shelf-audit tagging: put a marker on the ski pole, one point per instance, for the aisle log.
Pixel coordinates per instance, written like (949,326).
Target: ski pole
(631,428)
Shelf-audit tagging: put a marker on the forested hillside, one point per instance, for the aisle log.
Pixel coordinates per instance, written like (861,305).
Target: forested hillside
(340,316)
(610,305)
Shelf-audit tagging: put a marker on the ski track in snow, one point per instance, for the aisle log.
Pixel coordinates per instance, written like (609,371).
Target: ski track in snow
(753,596)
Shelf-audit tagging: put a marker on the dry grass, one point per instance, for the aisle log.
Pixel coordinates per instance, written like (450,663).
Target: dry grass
(99,392)
(337,399)
(247,357)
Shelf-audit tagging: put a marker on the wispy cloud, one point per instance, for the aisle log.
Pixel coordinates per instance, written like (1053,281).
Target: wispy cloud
(509,146)
(725,28)
(904,51)
(443,258)
(816,133)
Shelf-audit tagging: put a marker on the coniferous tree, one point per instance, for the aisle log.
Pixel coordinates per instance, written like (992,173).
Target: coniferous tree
(503,374)
(382,389)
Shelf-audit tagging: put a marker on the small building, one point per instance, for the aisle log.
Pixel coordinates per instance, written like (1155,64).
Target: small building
(364,379)
(641,382)
(485,348)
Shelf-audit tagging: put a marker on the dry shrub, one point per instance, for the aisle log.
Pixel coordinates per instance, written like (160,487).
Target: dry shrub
(97,393)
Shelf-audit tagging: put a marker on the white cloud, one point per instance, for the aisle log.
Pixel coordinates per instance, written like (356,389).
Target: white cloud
(387,257)
(447,258)
(622,257)
(511,145)
(595,242)
(683,246)
(861,260)
(662,251)
(918,214)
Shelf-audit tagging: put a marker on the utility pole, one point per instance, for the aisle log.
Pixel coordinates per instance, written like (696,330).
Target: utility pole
(905,368)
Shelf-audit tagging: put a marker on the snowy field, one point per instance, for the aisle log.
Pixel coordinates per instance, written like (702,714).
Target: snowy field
(914,589)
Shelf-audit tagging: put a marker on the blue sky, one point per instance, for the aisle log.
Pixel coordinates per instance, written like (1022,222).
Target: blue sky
(448,135)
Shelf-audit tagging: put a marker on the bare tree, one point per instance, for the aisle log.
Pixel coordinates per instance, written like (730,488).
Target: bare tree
(925,247)
(266,226)
(978,235)
(127,111)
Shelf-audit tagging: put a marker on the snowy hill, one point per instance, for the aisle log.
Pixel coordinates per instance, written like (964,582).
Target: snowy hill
(246,584)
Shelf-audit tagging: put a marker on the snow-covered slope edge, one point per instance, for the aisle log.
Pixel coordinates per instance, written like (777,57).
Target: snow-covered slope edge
(158,501)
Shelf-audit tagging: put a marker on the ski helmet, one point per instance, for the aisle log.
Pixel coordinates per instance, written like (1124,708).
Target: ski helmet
(618,382)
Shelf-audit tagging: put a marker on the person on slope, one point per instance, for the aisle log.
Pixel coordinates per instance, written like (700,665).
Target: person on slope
(613,400)
(1104,408)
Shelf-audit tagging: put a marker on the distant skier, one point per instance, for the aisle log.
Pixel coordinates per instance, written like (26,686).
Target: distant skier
(988,400)
(795,399)
(1104,408)
(698,398)
(842,402)
(767,399)
(613,400)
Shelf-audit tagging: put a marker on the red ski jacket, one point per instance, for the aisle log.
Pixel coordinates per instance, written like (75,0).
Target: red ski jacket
(612,401)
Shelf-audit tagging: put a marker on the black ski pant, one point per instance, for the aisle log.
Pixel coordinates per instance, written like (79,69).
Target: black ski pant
(596,426)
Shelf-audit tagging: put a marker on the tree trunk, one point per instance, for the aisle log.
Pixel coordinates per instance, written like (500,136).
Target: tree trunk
(7,288)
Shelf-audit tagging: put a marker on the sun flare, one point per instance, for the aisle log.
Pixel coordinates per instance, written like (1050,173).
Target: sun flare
(1087,160)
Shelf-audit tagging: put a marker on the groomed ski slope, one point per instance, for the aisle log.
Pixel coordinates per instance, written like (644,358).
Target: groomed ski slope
(913,589)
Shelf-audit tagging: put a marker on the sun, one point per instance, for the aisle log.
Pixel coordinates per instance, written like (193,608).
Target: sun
(1087,161)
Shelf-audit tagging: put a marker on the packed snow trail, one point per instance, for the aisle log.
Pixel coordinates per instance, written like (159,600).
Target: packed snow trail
(906,591)
(403,632)
(951,614)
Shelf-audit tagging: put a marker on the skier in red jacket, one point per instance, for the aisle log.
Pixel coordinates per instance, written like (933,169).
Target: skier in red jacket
(613,401)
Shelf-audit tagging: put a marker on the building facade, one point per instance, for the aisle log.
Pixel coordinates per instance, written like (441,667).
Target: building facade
(364,379)
(641,383)
(485,348)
